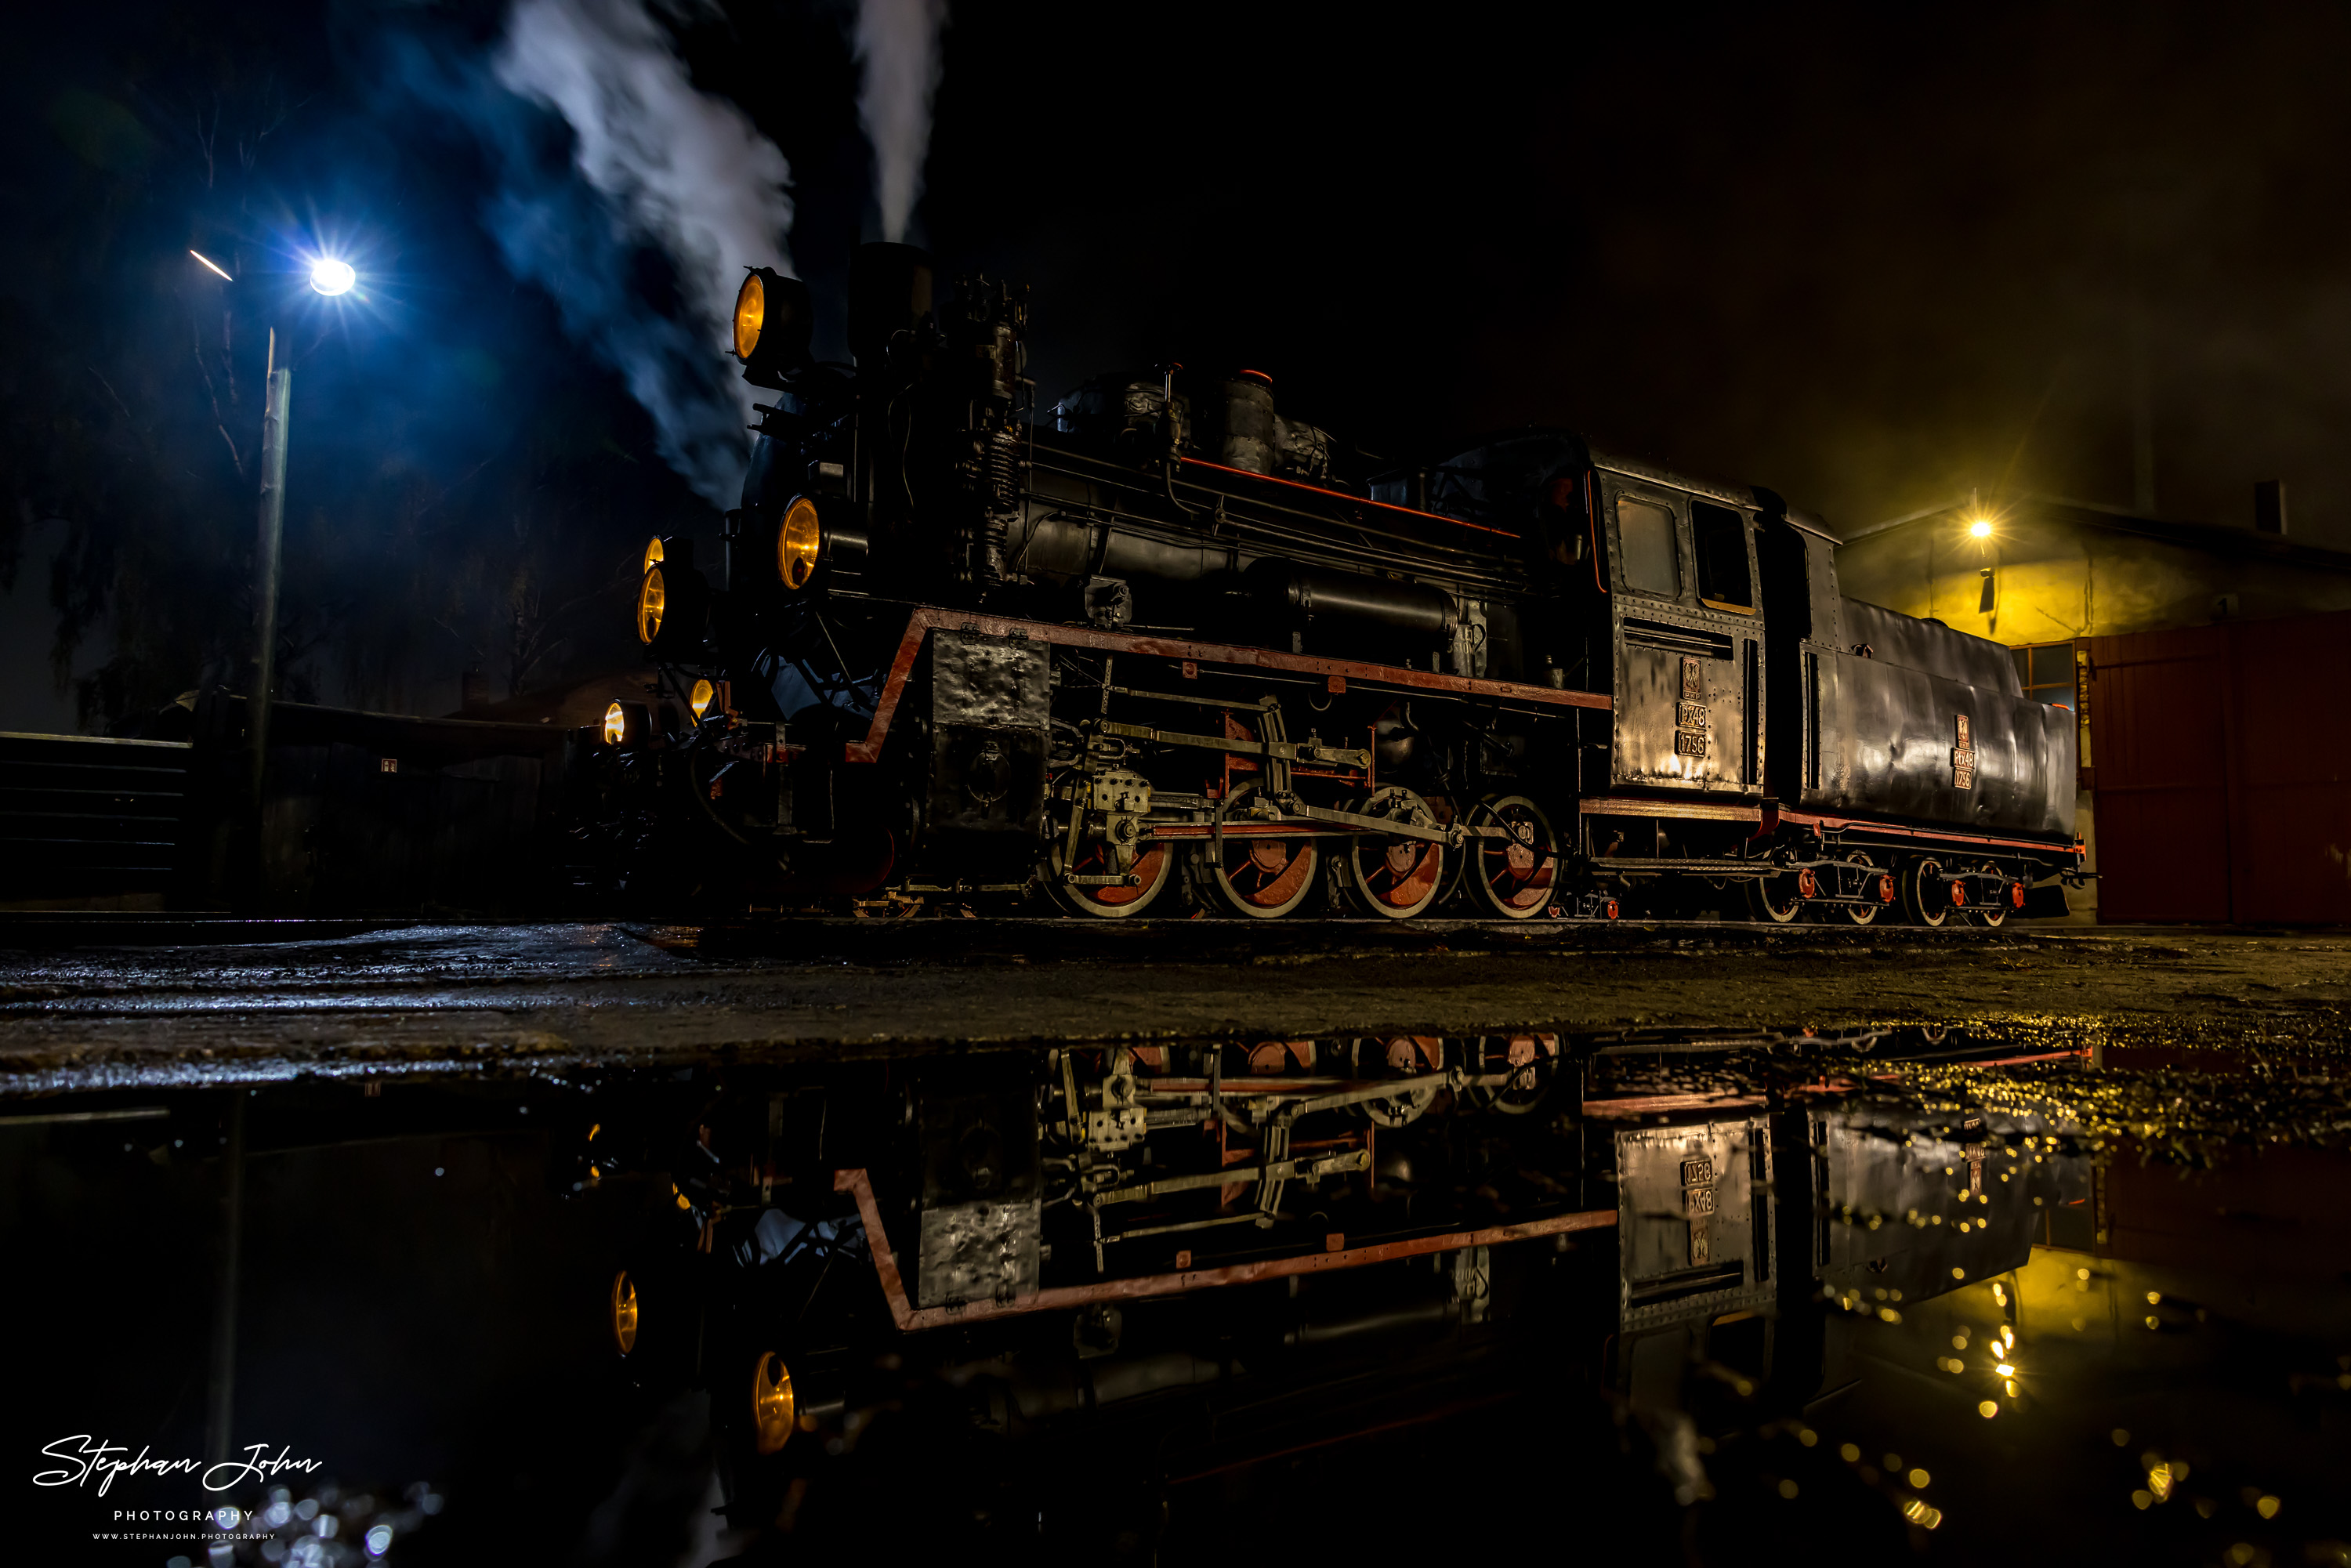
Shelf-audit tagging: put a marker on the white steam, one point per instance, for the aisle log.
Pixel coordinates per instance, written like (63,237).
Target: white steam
(898,44)
(667,167)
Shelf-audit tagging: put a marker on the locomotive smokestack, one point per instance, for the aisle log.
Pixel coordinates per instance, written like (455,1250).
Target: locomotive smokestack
(889,292)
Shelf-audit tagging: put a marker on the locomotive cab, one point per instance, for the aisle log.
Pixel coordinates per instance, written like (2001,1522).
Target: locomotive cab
(1687,624)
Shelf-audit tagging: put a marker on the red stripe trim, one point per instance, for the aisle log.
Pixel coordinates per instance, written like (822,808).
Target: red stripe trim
(923,621)
(1351,500)
(910,1318)
(1840,824)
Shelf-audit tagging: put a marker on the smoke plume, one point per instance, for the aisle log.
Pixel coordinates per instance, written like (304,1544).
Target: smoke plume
(651,163)
(898,44)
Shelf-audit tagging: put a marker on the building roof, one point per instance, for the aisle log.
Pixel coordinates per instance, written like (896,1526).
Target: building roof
(2208,537)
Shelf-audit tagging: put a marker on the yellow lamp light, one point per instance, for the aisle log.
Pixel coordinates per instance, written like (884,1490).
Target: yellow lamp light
(750,314)
(1981,528)
(771,1403)
(800,539)
(625,1290)
(652,596)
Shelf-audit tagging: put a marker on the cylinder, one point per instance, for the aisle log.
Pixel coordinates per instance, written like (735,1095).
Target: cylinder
(889,292)
(1301,595)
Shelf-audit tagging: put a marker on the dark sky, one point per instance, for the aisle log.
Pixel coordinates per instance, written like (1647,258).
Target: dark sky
(1870,256)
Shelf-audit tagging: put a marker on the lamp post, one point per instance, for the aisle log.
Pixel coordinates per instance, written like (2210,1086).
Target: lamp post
(330,277)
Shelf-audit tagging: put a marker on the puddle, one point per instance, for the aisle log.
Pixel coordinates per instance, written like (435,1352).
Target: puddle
(2047,1286)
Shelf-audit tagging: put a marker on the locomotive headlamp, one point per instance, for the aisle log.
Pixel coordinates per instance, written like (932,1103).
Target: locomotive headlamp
(672,599)
(653,555)
(1981,528)
(628,724)
(750,314)
(773,314)
(653,603)
(702,695)
(799,540)
(625,1290)
(771,1403)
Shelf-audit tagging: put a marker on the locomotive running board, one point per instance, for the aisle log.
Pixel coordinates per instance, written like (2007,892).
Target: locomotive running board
(911,1318)
(927,619)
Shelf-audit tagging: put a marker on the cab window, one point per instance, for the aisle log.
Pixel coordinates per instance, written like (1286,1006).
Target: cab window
(1724,580)
(1652,558)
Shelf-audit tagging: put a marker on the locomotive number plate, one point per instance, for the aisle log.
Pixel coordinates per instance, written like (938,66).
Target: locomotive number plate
(1688,745)
(1697,1173)
(1701,1200)
(1689,716)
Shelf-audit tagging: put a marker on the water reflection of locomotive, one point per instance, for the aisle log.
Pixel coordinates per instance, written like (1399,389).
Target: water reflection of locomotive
(1163,642)
(1183,1255)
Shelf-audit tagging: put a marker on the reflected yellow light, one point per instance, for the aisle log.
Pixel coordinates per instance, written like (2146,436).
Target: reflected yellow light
(771,1401)
(703,693)
(1919,1478)
(1979,529)
(1988,1409)
(652,557)
(616,724)
(624,1311)
(1923,1514)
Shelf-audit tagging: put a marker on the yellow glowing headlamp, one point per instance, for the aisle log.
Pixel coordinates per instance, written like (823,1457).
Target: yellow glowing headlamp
(799,543)
(652,599)
(750,314)
(700,699)
(772,1409)
(625,1290)
(772,320)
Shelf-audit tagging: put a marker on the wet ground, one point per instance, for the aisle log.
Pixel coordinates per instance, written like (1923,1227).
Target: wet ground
(194,1009)
(2159,1368)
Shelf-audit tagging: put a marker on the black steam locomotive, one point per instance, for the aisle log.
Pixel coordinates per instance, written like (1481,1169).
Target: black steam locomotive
(1160,646)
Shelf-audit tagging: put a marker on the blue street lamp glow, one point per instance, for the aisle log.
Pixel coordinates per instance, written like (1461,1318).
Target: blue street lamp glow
(330,277)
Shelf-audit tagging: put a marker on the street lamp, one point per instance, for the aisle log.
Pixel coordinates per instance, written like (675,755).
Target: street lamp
(329,276)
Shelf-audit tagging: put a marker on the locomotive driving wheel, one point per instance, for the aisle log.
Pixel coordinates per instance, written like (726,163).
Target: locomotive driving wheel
(1152,870)
(1395,878)
(1515,878)
(1261,878)
(1926,894)
(1877,888)
(1149,870)
(2007,895)
(1777,899)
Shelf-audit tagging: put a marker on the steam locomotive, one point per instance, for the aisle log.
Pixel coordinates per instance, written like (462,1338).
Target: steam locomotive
(1160,645)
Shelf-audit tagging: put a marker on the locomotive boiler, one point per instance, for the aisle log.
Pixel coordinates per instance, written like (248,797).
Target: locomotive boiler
(1160,646)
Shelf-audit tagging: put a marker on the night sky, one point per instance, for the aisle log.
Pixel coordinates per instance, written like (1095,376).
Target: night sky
(1870,259)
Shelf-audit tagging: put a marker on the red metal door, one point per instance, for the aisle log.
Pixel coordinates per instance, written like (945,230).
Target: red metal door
(2160,744)
(2290,779)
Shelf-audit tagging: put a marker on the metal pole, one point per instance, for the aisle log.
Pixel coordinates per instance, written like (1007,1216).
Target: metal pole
(220,1394)
(275,409)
